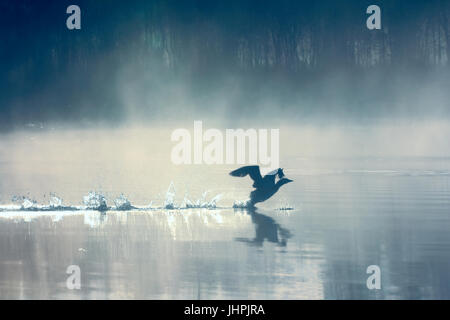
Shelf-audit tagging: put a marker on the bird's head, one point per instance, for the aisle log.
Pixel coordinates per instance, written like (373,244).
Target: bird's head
(283,182)
(280,173)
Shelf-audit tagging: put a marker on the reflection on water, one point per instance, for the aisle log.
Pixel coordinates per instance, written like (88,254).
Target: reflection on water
(266,229)
(139,254)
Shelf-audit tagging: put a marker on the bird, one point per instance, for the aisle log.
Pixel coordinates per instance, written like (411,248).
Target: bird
(265,187)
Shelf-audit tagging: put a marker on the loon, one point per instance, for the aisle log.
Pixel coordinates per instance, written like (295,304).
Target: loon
(265,186)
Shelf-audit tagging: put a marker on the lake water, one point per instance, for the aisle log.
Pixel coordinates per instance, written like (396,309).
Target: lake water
(346,214)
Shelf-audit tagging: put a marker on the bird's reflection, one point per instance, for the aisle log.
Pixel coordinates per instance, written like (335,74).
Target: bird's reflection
(266,228)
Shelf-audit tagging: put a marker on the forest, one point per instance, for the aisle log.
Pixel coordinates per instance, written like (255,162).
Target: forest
(280,51)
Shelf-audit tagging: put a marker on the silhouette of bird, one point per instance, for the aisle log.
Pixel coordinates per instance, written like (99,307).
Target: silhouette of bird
(265,186)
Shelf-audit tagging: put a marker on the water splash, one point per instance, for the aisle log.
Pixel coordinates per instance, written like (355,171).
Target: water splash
(195,204)
(188,203)
(212,204)
(169,202)
(28,204)
(25,203)
(55,201)
(242,204)
(122,203)
(202,203)
(95,201)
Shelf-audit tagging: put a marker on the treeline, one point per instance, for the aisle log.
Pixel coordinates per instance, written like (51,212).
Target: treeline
(281,37)
(249,34)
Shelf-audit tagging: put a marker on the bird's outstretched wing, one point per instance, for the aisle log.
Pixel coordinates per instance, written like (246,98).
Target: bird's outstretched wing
(253,171)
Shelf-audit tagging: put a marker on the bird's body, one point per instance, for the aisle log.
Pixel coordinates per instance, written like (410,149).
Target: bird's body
(265,187)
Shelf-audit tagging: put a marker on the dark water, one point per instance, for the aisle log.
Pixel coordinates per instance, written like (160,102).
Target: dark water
(345,218)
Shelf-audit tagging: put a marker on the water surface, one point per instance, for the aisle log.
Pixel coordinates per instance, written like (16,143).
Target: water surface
(347,214)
